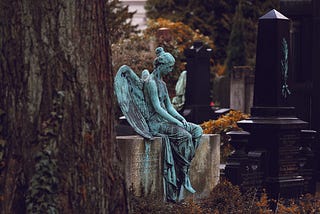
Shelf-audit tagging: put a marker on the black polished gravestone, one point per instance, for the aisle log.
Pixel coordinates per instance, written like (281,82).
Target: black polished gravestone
(245,169)
(273,126)
(197,105)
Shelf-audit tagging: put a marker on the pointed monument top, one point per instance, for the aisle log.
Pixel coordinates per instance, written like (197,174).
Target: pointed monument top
(273,14)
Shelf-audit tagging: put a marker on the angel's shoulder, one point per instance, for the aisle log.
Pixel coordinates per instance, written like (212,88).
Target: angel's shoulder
(151,84)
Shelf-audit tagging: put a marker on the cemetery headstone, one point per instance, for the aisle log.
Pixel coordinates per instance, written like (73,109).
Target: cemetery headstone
(197,104)
(245,169)
(241,88)
(273,126)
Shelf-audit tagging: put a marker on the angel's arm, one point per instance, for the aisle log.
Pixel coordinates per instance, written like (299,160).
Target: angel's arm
(152,88)
(174,112)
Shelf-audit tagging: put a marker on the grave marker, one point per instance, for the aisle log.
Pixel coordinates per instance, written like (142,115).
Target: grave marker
(197,106)
(273,126)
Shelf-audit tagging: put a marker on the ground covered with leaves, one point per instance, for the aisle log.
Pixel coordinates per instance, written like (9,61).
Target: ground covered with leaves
(226,198)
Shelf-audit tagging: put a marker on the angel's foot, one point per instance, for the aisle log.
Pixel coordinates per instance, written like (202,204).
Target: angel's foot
(187,185)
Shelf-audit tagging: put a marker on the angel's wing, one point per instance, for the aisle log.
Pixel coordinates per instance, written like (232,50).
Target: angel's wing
(128,89)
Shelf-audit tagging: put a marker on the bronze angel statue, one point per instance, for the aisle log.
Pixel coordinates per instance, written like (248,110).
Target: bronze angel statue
(146,104)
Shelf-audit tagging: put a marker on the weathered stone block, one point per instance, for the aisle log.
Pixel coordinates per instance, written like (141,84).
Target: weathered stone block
(241,88)
(142,162)
(205,166)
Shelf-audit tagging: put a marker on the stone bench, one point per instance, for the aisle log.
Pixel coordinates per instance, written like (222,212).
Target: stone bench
(142,162)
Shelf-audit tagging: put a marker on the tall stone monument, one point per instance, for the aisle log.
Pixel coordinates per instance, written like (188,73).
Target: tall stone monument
(197,105)
(274,129)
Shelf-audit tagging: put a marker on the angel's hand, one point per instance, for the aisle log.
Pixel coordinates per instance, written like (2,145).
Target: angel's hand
(179,123)
(185,124)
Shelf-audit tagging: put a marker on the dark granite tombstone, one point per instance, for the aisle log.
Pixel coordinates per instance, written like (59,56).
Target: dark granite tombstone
(245,169)
(273,126)
(236,162)
(256,168)
(270,89)
(197,106)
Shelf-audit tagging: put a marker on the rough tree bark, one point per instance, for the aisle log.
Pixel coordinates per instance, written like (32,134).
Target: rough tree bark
(57,143)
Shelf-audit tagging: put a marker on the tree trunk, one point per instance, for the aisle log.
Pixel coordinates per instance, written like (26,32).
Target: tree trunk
(57,142)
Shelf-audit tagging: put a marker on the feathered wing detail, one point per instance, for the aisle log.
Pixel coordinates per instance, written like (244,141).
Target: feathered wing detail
(128,89)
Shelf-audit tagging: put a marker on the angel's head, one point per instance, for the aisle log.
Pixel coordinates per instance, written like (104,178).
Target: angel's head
(164,61)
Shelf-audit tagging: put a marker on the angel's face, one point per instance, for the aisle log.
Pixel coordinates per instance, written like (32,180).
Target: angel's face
(166,68)
(165,63)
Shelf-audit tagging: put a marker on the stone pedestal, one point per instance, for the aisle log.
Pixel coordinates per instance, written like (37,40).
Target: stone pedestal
(277,131)
(142,162)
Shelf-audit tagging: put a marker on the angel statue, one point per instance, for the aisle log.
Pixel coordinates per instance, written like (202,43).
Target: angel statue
(146,105)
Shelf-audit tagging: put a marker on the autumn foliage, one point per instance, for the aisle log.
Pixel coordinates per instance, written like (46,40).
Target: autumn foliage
(222,125)
(225,123)
(182,35)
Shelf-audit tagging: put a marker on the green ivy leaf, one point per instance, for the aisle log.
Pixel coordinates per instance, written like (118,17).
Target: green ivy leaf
(48,188)
(52,210)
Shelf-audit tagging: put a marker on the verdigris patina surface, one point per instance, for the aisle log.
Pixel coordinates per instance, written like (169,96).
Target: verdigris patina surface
(146,104)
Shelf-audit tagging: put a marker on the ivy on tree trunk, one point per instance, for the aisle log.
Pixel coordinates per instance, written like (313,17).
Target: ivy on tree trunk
(56,88)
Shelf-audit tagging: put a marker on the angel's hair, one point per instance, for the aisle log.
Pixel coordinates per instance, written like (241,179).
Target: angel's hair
(163,57)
